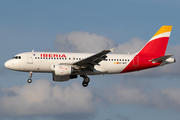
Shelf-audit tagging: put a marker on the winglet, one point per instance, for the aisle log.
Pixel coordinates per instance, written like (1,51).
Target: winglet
(112,49)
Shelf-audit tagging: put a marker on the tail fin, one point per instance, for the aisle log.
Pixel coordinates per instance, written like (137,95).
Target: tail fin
(156,46)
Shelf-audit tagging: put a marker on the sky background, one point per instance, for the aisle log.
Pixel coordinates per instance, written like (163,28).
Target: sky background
(88,26)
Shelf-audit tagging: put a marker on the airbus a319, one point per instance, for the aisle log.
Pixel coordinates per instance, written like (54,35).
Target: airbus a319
(65,66)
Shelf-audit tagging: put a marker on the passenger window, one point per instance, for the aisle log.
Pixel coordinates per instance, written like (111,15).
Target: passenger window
(79,58)
(69,58)
(73,58)
(122,59)
(114,59)
(65,58)
(62,58)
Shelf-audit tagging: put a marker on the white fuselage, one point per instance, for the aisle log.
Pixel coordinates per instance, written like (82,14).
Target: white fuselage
(43,61)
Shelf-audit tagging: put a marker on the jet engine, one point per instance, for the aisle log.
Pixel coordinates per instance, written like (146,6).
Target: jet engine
(62,72)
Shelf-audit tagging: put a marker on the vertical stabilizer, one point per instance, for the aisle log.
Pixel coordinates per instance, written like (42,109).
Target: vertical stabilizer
(156,46)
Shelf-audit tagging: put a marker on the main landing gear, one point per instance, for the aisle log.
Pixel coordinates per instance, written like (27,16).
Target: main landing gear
(85,81)
(30,76)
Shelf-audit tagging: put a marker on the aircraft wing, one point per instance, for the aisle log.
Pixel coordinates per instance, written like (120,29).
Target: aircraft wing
(93,60)
(161,59)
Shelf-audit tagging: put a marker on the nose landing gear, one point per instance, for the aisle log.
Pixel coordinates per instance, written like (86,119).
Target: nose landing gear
(30,76)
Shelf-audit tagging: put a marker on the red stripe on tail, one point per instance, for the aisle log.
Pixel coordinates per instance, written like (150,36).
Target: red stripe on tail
(155,47)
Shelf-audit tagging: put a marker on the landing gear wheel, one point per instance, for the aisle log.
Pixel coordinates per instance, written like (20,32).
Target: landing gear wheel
(29,80)
(85,84)
(86,81)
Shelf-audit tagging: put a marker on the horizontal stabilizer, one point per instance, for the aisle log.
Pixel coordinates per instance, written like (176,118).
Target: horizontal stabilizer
(161,59)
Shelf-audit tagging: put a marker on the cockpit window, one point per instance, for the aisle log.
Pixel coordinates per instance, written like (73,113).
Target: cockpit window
(16,57)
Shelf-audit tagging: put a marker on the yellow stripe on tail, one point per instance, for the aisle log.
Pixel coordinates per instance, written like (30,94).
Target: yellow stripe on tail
(163,29)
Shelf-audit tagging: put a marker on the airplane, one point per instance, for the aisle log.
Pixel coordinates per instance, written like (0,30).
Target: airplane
(65,66)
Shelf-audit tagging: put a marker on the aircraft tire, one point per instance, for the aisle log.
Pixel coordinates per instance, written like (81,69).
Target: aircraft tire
(29,80)
(84,84)
(86,79)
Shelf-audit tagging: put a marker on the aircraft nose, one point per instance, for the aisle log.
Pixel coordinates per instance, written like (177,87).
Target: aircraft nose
(6,64)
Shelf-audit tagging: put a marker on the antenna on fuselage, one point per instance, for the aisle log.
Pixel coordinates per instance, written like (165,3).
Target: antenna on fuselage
(33,50)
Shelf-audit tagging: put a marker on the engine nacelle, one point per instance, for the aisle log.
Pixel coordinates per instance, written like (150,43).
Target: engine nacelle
(62,70)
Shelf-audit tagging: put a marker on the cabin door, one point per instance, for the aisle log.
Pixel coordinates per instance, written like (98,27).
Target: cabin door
(30,58)
(136,61)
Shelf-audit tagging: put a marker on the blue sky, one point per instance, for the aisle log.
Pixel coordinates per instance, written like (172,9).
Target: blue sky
(88,26)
